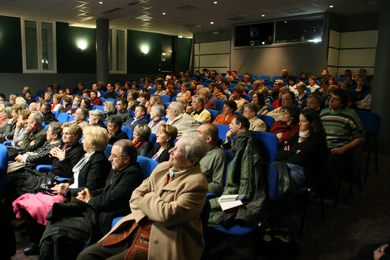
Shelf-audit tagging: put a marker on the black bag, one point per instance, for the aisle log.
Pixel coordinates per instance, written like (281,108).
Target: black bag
(286,185)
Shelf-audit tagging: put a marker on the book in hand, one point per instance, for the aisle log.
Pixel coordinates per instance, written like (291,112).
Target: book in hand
(229,201)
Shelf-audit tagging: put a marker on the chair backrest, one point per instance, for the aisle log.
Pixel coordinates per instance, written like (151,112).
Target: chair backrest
(268,120)
(152,139)
(100,108)
(63,117)
(270,142)
(371,121)
(219,104)
(147,165)
(107,151)
(222,130)
(3,165)
(213,113)
(113,100)
(128,131)
(165,99)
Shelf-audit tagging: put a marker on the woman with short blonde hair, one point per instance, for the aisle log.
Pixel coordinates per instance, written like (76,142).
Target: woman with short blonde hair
(96,136)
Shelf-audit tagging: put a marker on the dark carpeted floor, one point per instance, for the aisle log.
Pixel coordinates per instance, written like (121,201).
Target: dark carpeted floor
(360,219)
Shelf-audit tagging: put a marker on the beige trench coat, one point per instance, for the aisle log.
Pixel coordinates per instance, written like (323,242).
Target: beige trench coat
(175,210)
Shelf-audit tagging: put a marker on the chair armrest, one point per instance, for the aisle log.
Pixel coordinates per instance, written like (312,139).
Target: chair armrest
(44,167)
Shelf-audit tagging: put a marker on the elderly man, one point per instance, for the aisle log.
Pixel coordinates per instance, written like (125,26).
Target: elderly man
(256,124)
(34,136)
(199,113)
(181,120)
(213,165)
(165,211)
(107,203)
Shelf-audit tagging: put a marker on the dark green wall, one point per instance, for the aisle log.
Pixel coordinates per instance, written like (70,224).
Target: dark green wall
(182,54)
(150,63)
(10,45)
(70,59)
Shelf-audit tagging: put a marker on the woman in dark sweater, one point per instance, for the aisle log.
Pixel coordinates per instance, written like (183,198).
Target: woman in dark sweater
(307,150)
(166,137)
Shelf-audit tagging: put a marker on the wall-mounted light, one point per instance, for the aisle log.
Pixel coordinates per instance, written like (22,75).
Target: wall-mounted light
(163,56)
(82,44)
(144,48)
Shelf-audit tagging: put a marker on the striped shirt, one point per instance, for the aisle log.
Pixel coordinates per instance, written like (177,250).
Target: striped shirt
(341,127)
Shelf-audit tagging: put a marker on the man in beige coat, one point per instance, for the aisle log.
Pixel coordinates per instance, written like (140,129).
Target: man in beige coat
(171,200)
(181,120)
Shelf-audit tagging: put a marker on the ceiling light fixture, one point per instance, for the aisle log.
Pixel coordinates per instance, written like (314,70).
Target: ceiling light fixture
(331,6)
(180,36)
(263,15)
(164,13)
(215,2)
(100,3)
(211,22)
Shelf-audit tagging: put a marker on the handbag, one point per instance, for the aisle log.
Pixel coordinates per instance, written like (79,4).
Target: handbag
(285,184)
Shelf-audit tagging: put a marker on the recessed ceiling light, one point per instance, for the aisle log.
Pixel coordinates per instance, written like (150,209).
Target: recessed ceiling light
(164,13)
(180,36)
(211,22)
(263,15)
(331,6)
(100,3)
(215,2)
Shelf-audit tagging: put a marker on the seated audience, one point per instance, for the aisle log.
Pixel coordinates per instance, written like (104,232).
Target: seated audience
(213,164)
(114,124)
(20,129)
(259,100)
(132,97)
(75,104)
(229,108)
(110,92)
(312,84)
(287,127)
(121,108)
(100,208)
(90,172)
(109,108)
(301,95)
(205,94)
(218,93)
(139,119)
(48,116)
(141,134)
(165,208)
(181,120)
(344,132)
(304,157)
(288,100)
(156,114)
(66,105)
(165,139)
(95,100)
(236,97)
(250,112)
(96,118)
(33,138)
(41,155)
(245,175)
(200,113)
(314,102)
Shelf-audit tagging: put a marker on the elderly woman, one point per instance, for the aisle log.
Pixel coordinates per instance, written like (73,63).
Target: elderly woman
(109,108)
(229,108)
(166,137)
(114,124)
(141,134)
(156,113)
(90,172)
(166,208)
(96,117)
